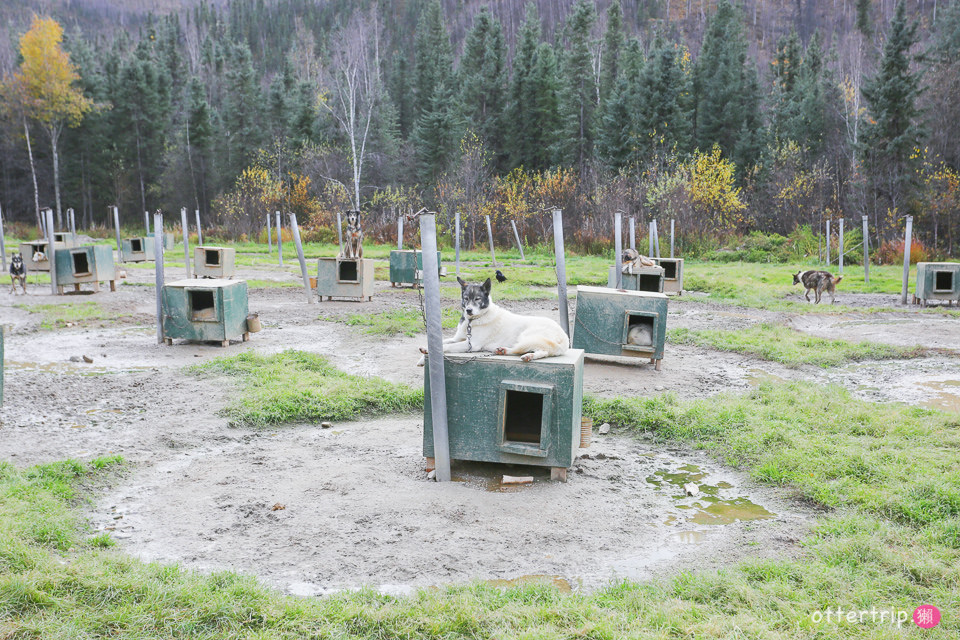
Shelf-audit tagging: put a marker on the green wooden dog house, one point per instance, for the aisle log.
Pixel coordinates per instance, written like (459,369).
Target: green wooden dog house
(139,249)
(34,247)
(672,274)
(937,281)
(345,278)
(642,279)
(205,310)
(214,262)
(91,264)
(406,267)
(67,238)
(501,409)
(605,316)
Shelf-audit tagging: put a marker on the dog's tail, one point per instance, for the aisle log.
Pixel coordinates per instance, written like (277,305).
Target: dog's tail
(837,280)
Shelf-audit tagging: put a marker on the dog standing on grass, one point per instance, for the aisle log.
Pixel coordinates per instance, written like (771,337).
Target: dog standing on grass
(484,326)
(18,272)
(818,282)
(353,236)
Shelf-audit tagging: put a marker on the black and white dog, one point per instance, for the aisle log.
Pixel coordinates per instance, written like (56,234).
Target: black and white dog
(353,236)
(484,326)
(18,272)
(818,282)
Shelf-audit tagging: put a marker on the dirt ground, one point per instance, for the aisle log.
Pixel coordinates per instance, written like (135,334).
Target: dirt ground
(357,506)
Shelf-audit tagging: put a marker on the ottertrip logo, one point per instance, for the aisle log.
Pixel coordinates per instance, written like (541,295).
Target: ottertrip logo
(925,616)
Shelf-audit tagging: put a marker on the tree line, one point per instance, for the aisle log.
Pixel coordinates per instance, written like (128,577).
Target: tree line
(290,105)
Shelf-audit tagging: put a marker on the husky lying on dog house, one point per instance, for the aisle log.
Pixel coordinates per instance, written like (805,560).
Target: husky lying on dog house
(485,326)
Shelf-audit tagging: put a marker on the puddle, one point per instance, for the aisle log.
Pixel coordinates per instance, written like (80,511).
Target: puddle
(729,511)
(756,377)
(489,476)
(947,397)
(686,537)
(561,584)
(687,473)
(710,508)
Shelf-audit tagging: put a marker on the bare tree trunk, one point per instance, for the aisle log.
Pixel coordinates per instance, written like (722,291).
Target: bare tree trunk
(193,175)
(54,132)
(143,193)
(33,174)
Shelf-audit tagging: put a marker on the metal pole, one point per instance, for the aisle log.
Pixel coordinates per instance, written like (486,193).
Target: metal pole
(73,221)
(828,244)
(671,236)
(656,239)
(617,249)
(43,224)
(561,269)
(158,255)
(438,390)
(840,254)
(866,252)
(340,232)
(146,221)
(516,237)
(400,232)
(51,252)
(186,239)
(303,262)
(199,230)
(116,228)
(907,241)
(269,239)
(633,233)
(650,237)
(279,229)
(456,240)
(3,246)
(493,256)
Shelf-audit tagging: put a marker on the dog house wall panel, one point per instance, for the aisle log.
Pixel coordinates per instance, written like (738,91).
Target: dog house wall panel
(140,249)
(214,262)
(603,315)
(99,265)
(501,409)
(227,321)
(938,281)
(672,274)
(333,278)
(406,266)
(66,238)
(28,249)
(643,279)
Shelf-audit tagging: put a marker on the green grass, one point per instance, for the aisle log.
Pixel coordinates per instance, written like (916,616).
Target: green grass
(56,316)
(887,476)
(407,322)
(295,386)
(790,347)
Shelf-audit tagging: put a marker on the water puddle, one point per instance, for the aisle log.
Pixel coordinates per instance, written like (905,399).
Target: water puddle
(729,511)
(756,377)
(686,537)
(709,505)
(489,476)
(947,396)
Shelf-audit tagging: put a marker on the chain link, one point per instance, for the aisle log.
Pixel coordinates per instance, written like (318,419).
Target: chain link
(579,323)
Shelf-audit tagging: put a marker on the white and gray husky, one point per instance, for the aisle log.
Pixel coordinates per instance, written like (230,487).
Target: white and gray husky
(484,326)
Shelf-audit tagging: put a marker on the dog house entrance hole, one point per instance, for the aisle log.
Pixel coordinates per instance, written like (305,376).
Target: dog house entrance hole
(669,269)
(943,281)
(649,282)
(212,257)
(523,417)
(348,271)
(202,307)
(81,266)
(136,245)
(642,338)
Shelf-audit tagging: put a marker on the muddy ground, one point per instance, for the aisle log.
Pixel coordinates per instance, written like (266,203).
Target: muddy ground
(357,508)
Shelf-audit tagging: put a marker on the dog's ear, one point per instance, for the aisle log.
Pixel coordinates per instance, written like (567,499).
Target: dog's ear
(486,285)
(463,285)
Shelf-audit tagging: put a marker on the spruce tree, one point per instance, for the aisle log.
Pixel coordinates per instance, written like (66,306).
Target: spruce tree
(663,117)
(578,90)
(613,40)
(482,81)
(523,92)
(437,135)
(242,112)
(434,57)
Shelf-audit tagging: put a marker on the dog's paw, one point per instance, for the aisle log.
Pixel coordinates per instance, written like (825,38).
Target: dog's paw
(422,361)
(499,351)
(527,357)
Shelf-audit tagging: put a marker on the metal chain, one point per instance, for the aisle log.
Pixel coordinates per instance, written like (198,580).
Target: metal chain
(469,335)
(578,323)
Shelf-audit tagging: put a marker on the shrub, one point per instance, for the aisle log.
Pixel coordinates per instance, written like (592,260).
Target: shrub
(891,252)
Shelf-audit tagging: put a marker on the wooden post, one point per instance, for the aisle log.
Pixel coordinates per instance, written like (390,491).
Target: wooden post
(269,239)
(493,256)
(303,262)
(866,251)
(116,226)
(656,239)
(516,236)
(618,248)
(158,256)
(431,300)
(199,230)
(146,221)
(671,236)
(633,233)
(650,238)
(340,232)
(71,218)
(186,239)
(840,249)
(51,251)
(828,244)
(561,269)
(907,241)
(3,246)
(456,240)
(400,232)
(279,229)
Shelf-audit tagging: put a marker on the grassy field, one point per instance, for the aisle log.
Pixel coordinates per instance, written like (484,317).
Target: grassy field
(59,316)
(406,322)
(885,475)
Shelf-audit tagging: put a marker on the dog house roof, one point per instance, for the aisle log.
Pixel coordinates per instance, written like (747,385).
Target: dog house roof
(620,292)
(571,357)
(206,283)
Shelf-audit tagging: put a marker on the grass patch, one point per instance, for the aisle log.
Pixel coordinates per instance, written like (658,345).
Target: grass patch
(295,386)
(790,347)
(58,316)
(407,322)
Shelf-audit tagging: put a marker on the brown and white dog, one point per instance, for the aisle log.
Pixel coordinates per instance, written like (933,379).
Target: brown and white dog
(818,282)
(353,236)
(631,260)
(18,272)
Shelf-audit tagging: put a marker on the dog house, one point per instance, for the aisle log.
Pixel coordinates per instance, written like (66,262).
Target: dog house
(672,274)
(642,279)
(614,322)
(214,262)
(205,310)
(30,249)
(937,281)
(501,409)
(137,249)
(92,264)
(345,278)
(68,239)
(406,267)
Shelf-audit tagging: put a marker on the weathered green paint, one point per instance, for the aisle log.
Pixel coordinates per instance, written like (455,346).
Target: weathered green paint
(1,365)
(29,249)
(214,262)
(169,241)
(672,274)
(938,281)
(228,319)
(603,317)
(99,261)
(406,266)
(477,387)
(643,279)
(146,252)
(68,239)
(334,278)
